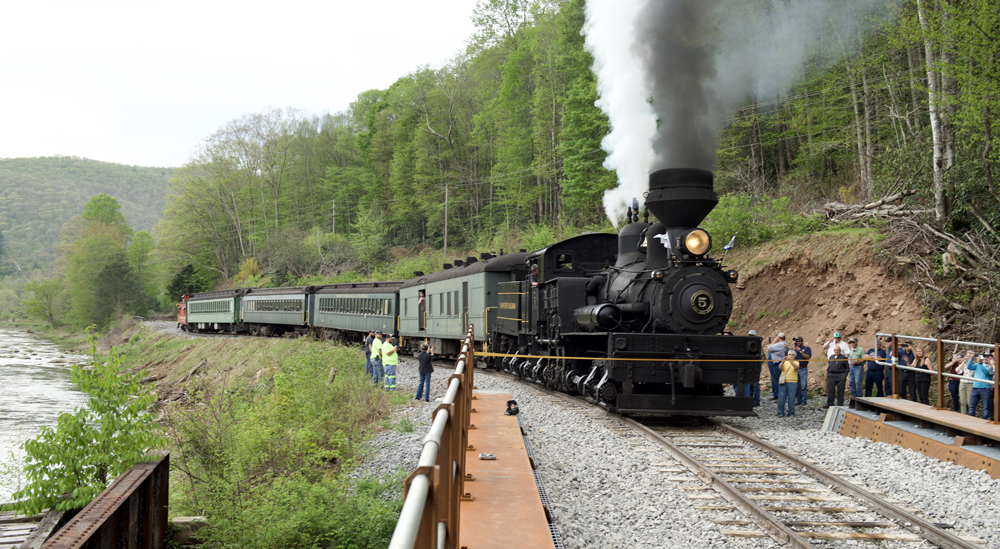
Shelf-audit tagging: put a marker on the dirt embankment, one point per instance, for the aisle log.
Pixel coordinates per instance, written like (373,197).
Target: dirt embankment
(815,285)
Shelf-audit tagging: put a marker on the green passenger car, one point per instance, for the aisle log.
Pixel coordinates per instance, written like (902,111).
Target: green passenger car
(276,311)
(349,311)
(214,311)
(438,307)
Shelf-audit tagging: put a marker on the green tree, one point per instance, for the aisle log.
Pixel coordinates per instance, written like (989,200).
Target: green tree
(141,266)
(105,209)
(187,280)
(43,302)
(369,238)
(98,275)
(68,466)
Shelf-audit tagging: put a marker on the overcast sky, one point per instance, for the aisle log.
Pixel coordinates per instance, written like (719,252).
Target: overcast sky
(144,82)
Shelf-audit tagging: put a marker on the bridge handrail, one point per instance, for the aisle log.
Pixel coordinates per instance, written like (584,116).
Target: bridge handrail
(939,373)
(133,507)
(430,513)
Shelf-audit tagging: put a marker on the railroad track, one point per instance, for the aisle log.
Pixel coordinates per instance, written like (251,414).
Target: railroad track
(778,494)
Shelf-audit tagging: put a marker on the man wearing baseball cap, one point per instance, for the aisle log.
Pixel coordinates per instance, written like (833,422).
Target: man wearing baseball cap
(835,341)
(377,358)
(390,359)
(856,378)
(368,352)
(775,354)
(802,353)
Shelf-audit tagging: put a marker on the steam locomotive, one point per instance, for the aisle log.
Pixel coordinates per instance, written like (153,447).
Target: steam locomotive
(635,322)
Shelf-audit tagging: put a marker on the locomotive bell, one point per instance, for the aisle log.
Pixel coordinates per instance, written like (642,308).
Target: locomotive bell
(681,197)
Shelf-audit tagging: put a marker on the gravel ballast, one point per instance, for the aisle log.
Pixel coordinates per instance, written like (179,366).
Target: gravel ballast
(607,490)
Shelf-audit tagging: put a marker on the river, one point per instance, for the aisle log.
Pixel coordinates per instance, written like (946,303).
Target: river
(34,389)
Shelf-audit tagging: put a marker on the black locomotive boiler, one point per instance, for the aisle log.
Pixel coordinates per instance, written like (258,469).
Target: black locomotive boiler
(636,321)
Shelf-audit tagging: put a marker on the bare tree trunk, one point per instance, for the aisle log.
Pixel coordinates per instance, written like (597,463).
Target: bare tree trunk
(940,198)
(756,167)
(866,105)
(912,56)
(987,169)
(858,128)
(895,111)
(949,89)
(781,158)
(446,218)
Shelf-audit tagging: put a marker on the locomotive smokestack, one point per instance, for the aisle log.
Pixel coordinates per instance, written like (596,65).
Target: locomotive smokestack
(681,197)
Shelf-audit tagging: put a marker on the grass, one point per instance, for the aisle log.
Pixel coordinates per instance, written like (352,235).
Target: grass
(405,425)
(824,249)
(264,449)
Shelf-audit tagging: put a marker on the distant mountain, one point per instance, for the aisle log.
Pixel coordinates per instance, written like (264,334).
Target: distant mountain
(38,195)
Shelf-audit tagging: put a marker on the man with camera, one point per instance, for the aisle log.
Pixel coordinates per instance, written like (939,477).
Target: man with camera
(907,378)
(802,354)
(985,370)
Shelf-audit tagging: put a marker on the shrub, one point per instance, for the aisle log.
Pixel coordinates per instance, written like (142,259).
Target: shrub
(265,463)
(755,221)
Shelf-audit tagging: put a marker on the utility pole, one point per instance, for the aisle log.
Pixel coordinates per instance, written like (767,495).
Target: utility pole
(334,216)
(446,219)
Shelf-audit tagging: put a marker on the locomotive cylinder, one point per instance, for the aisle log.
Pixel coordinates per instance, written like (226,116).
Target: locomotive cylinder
(593,318)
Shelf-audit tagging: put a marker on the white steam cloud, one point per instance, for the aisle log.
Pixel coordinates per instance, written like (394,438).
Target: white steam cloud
(623,97)
(670,72)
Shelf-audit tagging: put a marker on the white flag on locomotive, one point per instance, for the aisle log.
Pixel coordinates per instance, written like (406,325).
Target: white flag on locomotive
(732,242)
(665,240)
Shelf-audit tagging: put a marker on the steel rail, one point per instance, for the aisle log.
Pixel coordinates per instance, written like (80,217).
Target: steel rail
(917,525)
(772,525)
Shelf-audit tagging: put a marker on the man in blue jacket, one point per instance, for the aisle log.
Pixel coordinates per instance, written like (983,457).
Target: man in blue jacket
(985,371)
(876,371)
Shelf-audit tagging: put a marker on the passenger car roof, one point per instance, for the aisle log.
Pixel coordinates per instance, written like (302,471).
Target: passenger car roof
(504,263)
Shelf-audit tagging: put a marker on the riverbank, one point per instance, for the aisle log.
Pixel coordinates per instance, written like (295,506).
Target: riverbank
(68,338)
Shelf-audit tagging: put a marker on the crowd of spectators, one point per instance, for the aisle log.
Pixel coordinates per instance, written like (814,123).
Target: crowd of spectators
(864,373)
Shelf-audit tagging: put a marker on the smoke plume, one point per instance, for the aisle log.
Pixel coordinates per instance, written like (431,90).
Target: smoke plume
(671,72)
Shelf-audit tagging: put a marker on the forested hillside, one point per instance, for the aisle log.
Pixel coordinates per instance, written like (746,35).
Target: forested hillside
(505,140)
(38,195)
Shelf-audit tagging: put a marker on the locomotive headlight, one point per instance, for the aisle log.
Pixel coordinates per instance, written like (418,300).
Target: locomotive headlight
(697,242)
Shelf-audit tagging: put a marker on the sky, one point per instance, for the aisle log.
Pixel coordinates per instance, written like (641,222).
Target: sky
(142,83)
